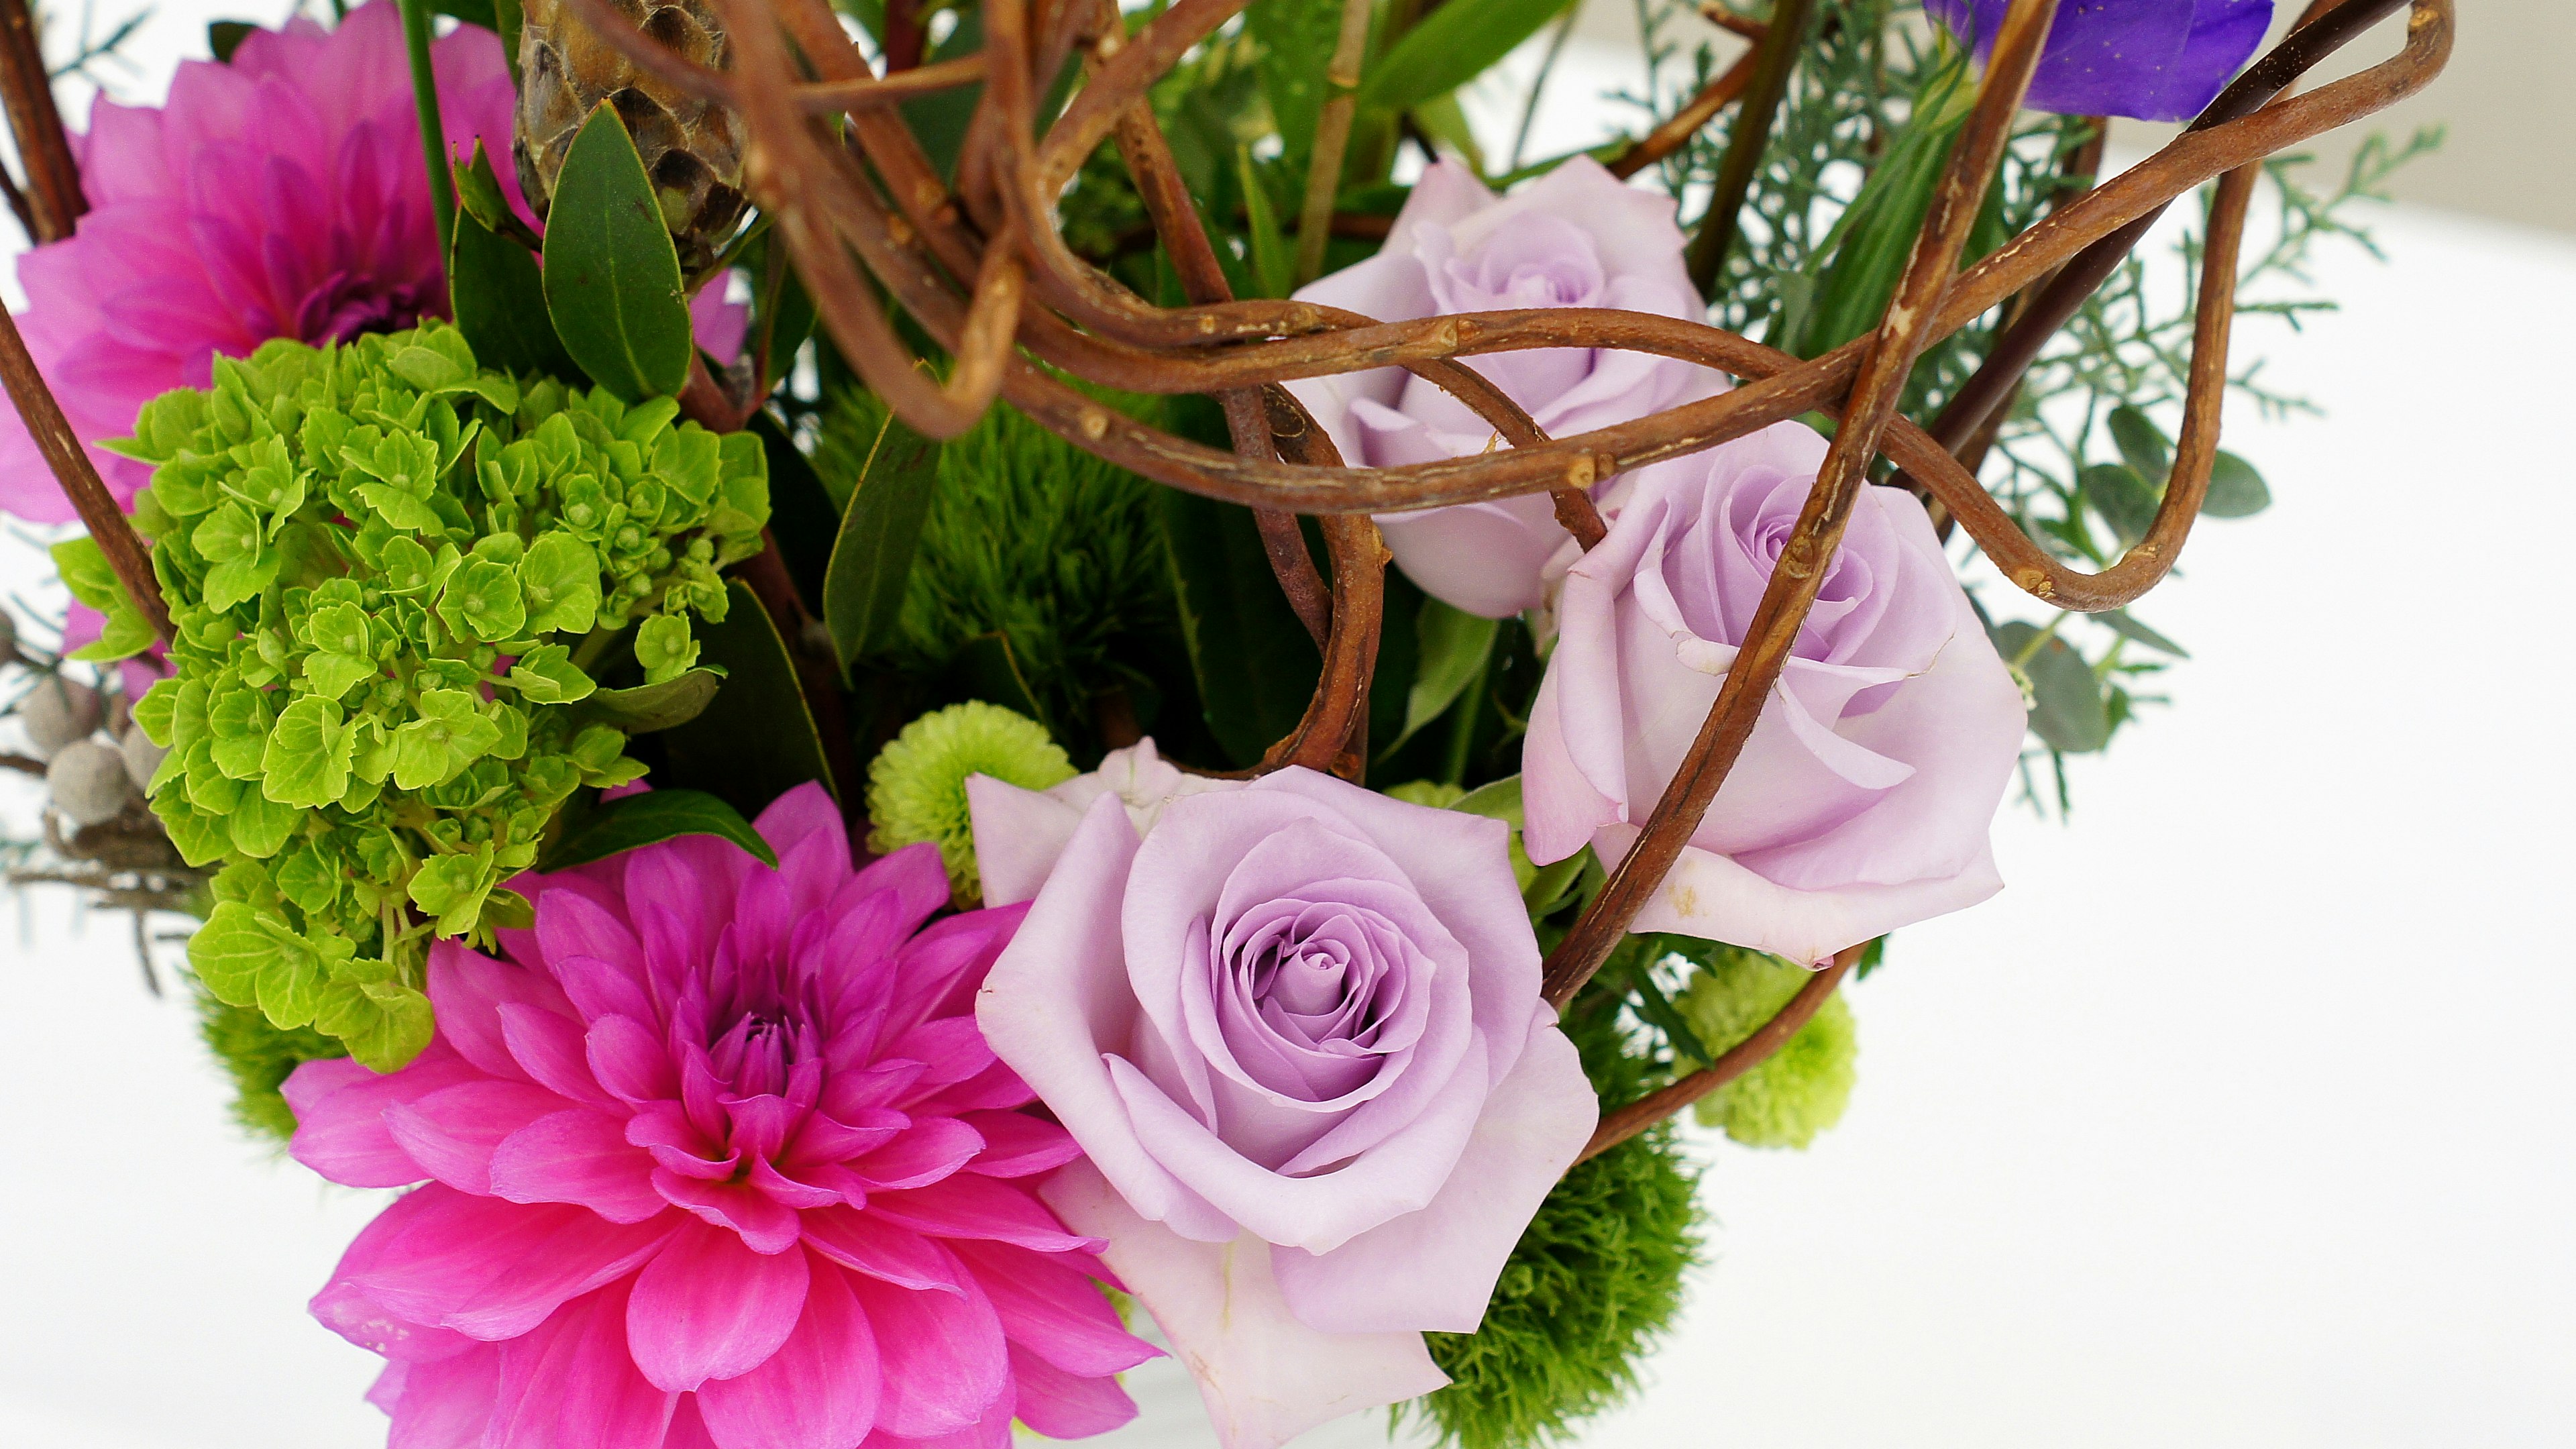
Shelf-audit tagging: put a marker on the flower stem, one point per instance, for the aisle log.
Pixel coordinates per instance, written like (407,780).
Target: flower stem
(433,136)
(1332,139)
(1775,60)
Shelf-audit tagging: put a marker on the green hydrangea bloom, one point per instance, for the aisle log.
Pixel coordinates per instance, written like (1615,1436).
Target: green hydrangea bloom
(1801,1089)
(389,572)
(259,1058)
(1594,1283)
(917,783)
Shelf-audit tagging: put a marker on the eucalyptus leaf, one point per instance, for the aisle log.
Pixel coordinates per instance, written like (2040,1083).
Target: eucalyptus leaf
(2119,622)
(2126,501)
(611,274)
(2067,709)
(863,585)
(649,707)
(649,819)
(2142,444)
(2235,489)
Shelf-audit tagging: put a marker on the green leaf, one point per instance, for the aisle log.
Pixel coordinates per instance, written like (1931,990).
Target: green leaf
(479,195)
(233,950)
(2235,489)
(1296,47)
(307,760)
(1454,647)
(872,554)
(1872,240)
(1453,45)
(2119,622)
(559,577)
(1444,120)
(508,18)
(223,37)
(2067,710)
(450,734)
(1274,266)
(1500,800)
(649,819)
(664,648)
(649,707)
(1254,660)
(2126,501)
(756,740)
(2142,444)
(500,300)
(384,1024)
(612,277)
(85,571)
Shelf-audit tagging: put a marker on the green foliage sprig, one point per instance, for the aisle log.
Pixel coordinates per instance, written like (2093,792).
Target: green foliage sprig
(392,574)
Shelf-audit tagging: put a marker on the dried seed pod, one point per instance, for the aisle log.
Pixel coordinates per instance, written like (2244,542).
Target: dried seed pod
(88,782)
(142,757)
(692,148)
(57,712)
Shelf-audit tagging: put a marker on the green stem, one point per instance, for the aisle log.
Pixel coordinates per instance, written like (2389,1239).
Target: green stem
(433,135)
(1747,140)
(1462,725)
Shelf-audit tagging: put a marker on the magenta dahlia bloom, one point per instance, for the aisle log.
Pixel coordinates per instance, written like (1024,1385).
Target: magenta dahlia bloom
(718,1157)
(281,195)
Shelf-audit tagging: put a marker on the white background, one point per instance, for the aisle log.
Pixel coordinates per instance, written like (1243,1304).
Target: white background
(2244,1117)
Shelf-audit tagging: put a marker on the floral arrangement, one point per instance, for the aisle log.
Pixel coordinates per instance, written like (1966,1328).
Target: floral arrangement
(757,644)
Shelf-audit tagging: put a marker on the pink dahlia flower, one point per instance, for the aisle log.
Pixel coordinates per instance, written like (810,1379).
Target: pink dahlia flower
(281,195)
(718,1157)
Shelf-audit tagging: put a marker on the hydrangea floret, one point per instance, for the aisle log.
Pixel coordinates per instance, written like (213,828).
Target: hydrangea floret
(392,574)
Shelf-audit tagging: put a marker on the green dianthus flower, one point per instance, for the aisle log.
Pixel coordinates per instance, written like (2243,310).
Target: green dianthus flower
(1801,1089)
(917,783)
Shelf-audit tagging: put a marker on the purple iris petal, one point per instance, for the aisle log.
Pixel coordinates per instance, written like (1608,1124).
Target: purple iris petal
(2155,60)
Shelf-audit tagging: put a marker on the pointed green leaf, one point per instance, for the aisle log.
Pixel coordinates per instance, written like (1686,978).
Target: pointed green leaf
(649,819)
(756,740)
(547,675)
(872,555)
(649,707)
(611,275)
(1454,647)
(1255,662)
(500,300)
(1274,265)
(1452,46)
(2119,622)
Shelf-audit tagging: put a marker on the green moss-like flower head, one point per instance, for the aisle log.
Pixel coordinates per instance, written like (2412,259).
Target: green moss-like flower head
(1594,1282)
(390,572)
(917,783)
(259,1058)
(1801,1089)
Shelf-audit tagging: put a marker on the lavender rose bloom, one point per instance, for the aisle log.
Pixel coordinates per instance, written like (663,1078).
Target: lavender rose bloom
(2156,60)
(1863,798)
(1296,1027)
(1576,237)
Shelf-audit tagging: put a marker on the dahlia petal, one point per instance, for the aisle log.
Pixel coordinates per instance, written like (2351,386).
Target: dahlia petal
(688,1427)
(598,989)
(1019,1145)
(709,1308)
(881,1250)
(993,1431)
(467,990)
(996,1088)
(552,1050)
(913,876)
(1064,1405)
(571,923)
(1053,1311)
(813,844)
(452,1132)
(938,972)
(818,1391)
(339,1107)
(825,1137)
(570,1384)
(929,1150)
(978,1207)
(952,1047)
(778,1187)
(492,1269)
(764,1224)
(944,1360)
(580,1156)
(630,1060)
(357,1315)
(443,1405)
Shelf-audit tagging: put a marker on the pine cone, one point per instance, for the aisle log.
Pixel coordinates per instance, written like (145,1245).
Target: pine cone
(692,148)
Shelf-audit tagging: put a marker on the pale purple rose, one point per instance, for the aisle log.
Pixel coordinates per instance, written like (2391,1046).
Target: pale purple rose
(1296,1028)
(1863,799)
(1576,237)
